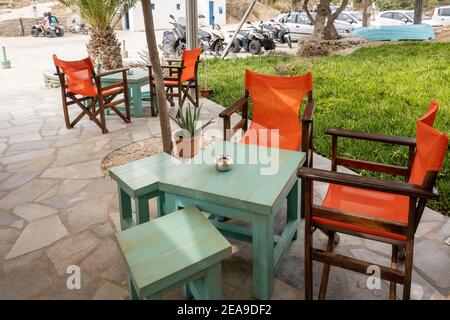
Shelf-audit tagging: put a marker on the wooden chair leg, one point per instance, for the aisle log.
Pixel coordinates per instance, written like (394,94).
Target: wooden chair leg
(102,116)
(408,269)
(326,268)
(197,101)
(394,260)
(66,114)
(308,262)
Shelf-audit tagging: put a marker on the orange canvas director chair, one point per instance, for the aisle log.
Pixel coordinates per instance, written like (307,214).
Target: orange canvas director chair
(80,84)
(380,210)
(181,77)
(276,103)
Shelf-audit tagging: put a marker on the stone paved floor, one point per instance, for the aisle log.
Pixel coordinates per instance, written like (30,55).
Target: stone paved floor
(56,210)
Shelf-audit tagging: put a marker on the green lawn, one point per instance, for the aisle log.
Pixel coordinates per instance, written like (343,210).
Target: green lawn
(383,89)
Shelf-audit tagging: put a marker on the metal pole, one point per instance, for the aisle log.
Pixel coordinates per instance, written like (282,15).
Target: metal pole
(191,24)
(227,48)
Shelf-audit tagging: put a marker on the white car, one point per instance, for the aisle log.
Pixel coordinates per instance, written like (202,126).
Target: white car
(441,15)
(351,17)
(399,17)
(300,26)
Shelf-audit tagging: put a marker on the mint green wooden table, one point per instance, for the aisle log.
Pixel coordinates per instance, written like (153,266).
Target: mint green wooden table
(242,193)
(136,81)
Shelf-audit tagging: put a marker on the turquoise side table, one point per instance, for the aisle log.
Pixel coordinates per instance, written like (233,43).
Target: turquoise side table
(136,81)
(243,193)
(180,249)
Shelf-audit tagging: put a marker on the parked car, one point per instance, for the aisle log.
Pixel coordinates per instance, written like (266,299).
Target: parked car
(441,15)
(300,26)
(354,18)
(398,17)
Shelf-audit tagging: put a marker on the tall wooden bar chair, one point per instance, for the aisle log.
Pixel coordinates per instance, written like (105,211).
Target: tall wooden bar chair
(380,210)
(183,76)
(80,84)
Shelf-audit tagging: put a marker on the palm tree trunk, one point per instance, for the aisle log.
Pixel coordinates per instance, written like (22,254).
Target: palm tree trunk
(164,119)
(105,48)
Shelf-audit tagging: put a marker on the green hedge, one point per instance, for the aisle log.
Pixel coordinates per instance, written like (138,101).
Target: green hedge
(381,89)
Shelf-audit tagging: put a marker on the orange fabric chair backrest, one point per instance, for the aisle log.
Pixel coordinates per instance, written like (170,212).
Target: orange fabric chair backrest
(276,100)
(188,61)
(431,147)
(430,116)
(79,75)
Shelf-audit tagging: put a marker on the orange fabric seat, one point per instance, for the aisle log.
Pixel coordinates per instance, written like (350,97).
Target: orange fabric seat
(276,104)
(386,206)
(431,148)
(261,136)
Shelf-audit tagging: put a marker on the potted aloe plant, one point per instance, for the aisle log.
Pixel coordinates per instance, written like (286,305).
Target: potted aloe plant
(187,138)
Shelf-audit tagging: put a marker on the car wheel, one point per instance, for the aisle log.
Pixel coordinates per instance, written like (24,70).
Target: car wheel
(235,46)
(254,47)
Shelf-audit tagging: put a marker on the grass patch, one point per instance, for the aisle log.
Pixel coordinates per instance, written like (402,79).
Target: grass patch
(383,89)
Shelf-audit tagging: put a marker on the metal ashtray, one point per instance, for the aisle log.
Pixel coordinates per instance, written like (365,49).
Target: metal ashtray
(224,163)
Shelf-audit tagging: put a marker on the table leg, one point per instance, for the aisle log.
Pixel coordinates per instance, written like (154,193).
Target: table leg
(132,290)
(137,100)
(167,203)
(124,209)
(293,207)
(263,256)
(142,210)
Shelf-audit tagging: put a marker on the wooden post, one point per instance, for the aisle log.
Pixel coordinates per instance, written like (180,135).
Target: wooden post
(418,11)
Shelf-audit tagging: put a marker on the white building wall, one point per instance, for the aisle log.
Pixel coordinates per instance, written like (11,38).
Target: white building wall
(163,8)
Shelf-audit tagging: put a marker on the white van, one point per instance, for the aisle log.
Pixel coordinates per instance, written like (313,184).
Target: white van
(442,15)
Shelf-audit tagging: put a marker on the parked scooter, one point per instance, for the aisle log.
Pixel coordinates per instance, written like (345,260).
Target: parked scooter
(280,33)
(174,42)
(213,42)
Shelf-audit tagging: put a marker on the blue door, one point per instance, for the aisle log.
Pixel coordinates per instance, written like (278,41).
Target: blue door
(211,12)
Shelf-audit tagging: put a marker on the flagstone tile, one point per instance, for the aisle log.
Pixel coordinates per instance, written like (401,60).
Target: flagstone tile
(109,291)
(33,211)
(72,250)
(26,283)
(84,170)
(38,234)
(88,213)
(27,193)
(18,263)
(432,260)
(27,156)
(106,254)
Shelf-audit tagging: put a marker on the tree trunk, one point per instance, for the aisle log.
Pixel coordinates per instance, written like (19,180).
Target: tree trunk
(324,22)
(164,119)
(105,48)
(323,10)
(366,13)
(418,6)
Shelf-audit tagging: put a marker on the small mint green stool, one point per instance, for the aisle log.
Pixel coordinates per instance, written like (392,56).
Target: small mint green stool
(179,249)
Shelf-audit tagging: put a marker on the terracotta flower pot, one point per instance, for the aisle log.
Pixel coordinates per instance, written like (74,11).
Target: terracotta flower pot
(187,147)
(205,91)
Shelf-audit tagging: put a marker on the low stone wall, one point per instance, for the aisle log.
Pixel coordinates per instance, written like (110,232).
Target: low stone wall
(21,27)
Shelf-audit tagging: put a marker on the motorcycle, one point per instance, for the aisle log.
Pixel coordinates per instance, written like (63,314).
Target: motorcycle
(252,40)
(214,41)
(174,42)
(279,32)
(79,28)
(48,26)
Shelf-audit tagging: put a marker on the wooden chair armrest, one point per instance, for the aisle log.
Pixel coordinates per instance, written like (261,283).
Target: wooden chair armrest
(405,141)
(233,108)
(173,61)
(308,113)
(396,187)
(107,73)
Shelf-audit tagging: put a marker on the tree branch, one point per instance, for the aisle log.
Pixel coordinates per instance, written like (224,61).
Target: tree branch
(305,8)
